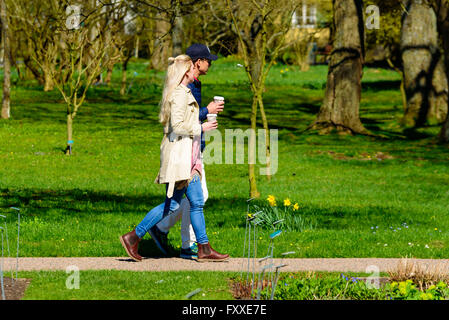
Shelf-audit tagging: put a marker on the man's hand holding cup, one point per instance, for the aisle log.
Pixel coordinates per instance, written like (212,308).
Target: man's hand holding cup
(216,106)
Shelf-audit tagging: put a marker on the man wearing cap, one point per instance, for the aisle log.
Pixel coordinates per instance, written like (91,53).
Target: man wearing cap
(202,59)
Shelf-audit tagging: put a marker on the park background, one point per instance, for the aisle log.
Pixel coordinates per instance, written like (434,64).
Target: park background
(364,156)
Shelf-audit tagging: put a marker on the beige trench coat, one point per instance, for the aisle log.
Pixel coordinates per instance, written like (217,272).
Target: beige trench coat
(176,146)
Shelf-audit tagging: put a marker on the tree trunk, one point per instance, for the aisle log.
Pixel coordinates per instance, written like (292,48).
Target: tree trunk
(441,8)
(136,50)
(159,59)
(257,62)
(267,134)
(6,109)
(33,69)
(420,56)
(439,95)
(124,69)
(253,193)
(109,73)
(48,81)
(177,30)
(340,108)
(68,150)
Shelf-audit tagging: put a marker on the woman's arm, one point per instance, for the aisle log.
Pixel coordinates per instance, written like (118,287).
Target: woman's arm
(179,107)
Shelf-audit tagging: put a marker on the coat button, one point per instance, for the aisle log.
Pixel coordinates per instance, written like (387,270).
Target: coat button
(192,110)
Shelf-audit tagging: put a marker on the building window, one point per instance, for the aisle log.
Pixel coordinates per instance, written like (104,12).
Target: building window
(305,17)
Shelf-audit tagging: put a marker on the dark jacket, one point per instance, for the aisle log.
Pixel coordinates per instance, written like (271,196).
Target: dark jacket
(195,87)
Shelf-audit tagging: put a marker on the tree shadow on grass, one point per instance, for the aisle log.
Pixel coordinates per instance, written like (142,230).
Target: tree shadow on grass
(277,121)
(57,205)
(54,204)
(40,201)
(352,218)
(381,85)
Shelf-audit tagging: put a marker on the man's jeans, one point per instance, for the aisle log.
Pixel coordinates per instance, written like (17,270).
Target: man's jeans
(194,194)
(187,235)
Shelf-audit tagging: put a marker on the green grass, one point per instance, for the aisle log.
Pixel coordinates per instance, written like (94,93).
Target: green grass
(130,285)
(127,285)
(80,205)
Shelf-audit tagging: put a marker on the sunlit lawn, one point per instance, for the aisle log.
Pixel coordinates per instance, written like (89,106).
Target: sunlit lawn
(361,206)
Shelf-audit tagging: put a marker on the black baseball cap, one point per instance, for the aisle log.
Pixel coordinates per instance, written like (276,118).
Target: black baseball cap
(200,51)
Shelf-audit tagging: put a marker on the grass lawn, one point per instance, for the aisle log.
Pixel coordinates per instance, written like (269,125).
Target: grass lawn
(362,203)
(129,285)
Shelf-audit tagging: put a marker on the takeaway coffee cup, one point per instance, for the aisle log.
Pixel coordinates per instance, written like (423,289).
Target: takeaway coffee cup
(218,99)
(211,117)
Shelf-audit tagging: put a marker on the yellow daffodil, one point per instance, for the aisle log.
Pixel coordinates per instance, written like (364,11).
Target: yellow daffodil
(295,206)
(287,202)
(271,200)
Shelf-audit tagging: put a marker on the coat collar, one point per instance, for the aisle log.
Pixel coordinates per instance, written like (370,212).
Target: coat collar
(184,87)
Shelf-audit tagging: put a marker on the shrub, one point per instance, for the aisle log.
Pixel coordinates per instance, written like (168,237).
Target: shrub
(337,288)
(422,275)
(407,290)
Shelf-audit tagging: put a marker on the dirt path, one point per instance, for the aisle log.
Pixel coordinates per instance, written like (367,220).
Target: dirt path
(235,264)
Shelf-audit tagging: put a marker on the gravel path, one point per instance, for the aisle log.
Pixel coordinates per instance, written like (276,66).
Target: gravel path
(234,264)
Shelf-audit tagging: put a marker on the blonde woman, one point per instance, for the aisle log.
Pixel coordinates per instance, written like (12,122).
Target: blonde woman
(181,166)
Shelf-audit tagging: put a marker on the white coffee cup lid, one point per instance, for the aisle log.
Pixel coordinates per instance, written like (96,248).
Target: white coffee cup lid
(218,98)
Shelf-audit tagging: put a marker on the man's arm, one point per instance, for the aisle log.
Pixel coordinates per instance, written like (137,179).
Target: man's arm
(203,113)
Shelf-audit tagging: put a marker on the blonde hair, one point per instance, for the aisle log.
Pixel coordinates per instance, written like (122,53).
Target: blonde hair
(177,68)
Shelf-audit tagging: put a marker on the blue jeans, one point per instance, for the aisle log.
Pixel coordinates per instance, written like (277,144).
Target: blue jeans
(194,194)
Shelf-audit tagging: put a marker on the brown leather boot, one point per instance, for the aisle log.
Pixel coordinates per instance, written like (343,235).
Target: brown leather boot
(130,241)
(206,253)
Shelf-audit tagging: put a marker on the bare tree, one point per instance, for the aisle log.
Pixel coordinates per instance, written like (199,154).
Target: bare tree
(168,16)
(34,21)
(78,36)
(261,27)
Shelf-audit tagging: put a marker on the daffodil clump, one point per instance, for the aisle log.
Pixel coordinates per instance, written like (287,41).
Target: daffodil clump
(287,203)
(288,212)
